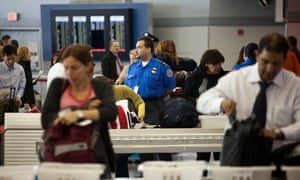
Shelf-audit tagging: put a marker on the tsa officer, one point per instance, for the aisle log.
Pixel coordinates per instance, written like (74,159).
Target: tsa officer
(151,78)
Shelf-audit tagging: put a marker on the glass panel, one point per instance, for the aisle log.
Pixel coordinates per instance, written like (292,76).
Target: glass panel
(97,33)
(79,30)
(61,32)
(117,30)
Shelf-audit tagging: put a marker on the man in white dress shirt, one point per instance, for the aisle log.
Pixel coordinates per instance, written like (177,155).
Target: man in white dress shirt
(236,92)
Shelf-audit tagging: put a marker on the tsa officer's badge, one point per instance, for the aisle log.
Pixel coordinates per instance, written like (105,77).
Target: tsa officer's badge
(154,70)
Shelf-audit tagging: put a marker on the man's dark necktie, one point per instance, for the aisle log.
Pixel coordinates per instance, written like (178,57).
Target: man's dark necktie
(260,105)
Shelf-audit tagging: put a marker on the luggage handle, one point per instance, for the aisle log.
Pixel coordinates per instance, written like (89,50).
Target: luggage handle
(38,146)
(11,100)
(233,120)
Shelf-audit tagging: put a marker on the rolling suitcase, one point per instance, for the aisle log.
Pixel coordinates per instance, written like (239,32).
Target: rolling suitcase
(8,104)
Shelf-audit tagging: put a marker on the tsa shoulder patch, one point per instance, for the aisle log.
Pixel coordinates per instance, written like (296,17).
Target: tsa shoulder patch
(169,73)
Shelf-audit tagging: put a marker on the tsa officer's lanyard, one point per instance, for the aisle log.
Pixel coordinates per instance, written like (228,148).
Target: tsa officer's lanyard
(136,87)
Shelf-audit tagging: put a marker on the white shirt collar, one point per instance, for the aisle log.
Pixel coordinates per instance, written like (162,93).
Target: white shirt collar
(144,63)
(6,67)
(255,78)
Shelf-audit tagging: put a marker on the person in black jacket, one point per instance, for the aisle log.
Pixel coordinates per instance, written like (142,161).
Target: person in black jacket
(24,59)
(111,64)
(206,75)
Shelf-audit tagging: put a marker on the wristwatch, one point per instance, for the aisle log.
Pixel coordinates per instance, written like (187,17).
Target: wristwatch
(279,134)
(80,116)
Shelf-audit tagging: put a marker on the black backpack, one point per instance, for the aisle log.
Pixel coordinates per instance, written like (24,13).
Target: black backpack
(179,112)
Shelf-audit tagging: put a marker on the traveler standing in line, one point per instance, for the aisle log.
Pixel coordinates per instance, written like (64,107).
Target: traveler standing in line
(206,75)
(6,40)
(57,70)
(166,51)
(133,58)
(250,56)
(203,78)
(293,46)
(54,59)
(111,63)
(24,59)
(241,56)
(291,63)
(15,43)
(12,75)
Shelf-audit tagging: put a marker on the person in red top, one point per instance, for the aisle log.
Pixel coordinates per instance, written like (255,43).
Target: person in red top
(291,63)
(94,97)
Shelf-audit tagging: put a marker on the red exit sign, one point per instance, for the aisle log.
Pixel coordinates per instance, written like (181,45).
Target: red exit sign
(12,16)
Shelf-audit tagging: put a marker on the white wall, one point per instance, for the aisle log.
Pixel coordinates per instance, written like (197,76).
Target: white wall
(190,41)
(193,41)
(229,42)
(212,31)
(294,29)
(178,8)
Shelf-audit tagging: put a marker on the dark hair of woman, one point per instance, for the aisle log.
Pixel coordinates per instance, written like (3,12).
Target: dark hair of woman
(80,52)
(240,59)
(211,56)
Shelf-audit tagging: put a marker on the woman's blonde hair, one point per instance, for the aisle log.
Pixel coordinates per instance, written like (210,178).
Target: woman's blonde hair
(22,52)
(132,52)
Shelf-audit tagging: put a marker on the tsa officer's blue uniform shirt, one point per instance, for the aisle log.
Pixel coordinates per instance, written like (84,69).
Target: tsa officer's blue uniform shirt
(150,81)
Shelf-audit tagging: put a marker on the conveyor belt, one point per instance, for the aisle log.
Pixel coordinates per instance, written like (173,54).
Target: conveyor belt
(167,140)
